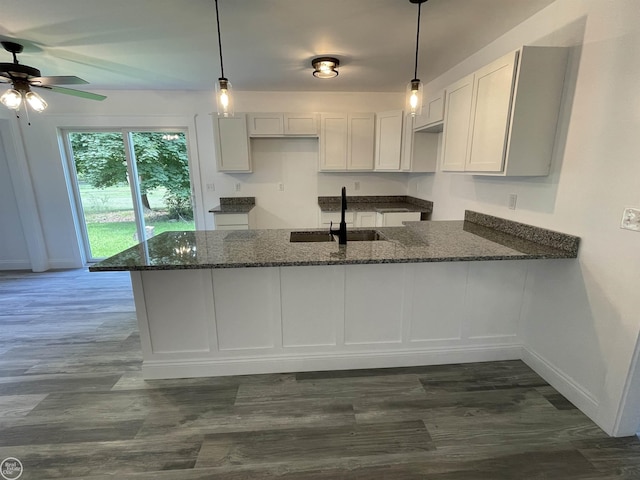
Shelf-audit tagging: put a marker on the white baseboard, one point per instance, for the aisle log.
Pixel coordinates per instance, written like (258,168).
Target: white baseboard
(158,369)
(15,265)
(64,264)
(566,385)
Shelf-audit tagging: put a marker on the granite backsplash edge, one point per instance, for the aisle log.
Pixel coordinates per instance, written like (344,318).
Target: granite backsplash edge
(543,236)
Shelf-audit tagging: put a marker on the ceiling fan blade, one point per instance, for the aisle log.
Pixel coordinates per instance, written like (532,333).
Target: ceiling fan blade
(59,80)
(75,93)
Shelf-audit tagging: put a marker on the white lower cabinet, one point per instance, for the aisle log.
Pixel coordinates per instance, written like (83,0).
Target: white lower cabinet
(352,219)
(326,218)
(366,219)
(395,219)
(234,221)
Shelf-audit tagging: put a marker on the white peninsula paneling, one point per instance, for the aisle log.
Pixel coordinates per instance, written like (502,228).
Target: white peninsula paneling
(438,307)
(494,298)
(177,323)
(312,305)
(247,305)
(374,304)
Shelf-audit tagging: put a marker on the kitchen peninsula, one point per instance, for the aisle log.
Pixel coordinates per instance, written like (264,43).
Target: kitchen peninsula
(239,302)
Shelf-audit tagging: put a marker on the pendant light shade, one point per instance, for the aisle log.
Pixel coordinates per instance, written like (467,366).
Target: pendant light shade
(414,88)
(11,99)
(224,99)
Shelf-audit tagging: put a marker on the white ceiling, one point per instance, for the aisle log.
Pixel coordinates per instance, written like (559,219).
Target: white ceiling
(267,44)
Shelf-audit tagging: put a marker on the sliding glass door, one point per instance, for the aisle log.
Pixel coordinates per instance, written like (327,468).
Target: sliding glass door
(128,185)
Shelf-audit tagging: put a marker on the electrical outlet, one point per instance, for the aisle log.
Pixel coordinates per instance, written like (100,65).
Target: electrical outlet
(238,185)
(631,219)
(356,186)
(281,187)
(211,187)
(513,199)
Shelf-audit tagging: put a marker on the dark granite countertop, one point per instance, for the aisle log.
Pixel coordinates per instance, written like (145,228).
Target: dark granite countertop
(234,205)
(480,237)
(377,203)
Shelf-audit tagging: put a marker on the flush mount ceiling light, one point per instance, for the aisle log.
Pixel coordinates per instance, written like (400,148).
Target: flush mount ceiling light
(224,100)
(414,89)
(325,67)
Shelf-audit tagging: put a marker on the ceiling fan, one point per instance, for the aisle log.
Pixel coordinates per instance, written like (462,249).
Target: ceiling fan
(23,77)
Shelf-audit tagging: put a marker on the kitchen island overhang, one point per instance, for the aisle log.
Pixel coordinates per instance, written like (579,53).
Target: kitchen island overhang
(248,302)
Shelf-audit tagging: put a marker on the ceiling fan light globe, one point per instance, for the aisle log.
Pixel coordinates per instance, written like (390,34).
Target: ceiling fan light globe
(11,99)
(36,102)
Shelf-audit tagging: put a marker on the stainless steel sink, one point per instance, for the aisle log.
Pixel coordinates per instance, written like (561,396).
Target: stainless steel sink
(310,237)
(352,236)
(364,236)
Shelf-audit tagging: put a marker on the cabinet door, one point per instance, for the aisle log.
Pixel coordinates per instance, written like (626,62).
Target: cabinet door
(395,219)
(232,144)
(333,141)
(407,144)
(361,141)
(457,124)
(388,140)
(265,124)
(304,124)
(492,95)
(432,111)
(366,219)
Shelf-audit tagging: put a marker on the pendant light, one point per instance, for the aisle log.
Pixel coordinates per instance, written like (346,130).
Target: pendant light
(414,88)
(224,100)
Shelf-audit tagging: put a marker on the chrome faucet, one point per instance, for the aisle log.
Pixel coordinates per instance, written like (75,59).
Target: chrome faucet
(342,231)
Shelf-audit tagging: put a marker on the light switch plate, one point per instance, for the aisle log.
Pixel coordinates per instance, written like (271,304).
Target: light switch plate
(631,219)
(513,200)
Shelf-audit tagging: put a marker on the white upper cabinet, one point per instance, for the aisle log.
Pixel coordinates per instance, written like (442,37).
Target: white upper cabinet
(361,131)
(232,144)
(346,141)
(265,124)
(283,124)
(388,140)
(456,126)
(502,119)
(432,113)
(302,124)
(490,108)
(333,141)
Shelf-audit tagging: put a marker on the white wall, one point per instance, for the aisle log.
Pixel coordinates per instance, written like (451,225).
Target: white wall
(581,326)
(13,247)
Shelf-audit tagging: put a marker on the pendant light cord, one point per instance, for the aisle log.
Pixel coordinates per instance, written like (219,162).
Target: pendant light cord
(415,71)
(220,40)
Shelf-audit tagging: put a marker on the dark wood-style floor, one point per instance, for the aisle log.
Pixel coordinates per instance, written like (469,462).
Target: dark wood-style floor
(73,405)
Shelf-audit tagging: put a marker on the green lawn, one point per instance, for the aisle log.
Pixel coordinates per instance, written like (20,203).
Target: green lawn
(110,238)
(110,219)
